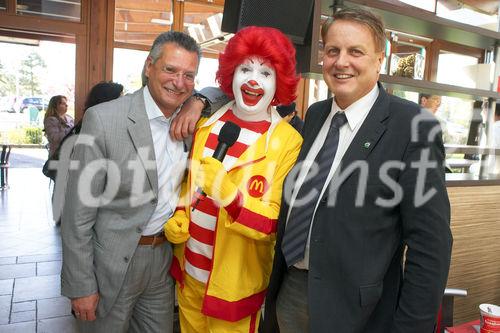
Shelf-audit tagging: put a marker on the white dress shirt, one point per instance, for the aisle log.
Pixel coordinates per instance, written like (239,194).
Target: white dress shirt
(171,161)
(356,114)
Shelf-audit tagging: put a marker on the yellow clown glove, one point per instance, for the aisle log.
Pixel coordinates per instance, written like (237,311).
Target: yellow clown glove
(213,179)
(177,228)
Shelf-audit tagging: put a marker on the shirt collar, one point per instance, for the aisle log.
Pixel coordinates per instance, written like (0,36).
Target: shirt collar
(152,109)
(357,111)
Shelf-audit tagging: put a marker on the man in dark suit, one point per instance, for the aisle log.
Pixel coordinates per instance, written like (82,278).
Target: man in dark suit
(369,182)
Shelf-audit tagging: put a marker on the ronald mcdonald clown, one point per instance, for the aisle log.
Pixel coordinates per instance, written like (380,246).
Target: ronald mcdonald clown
(225,244)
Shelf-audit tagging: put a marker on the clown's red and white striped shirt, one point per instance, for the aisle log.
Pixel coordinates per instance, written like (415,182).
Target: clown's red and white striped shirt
(200,246)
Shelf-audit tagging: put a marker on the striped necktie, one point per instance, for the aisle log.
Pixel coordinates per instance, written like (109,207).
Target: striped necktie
(299,221)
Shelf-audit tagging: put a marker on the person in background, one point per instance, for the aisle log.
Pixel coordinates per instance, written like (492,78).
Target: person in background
(56,122)
(368,184)
(126,186)
(99,93)
(225,241)
(289,114)
(430,102)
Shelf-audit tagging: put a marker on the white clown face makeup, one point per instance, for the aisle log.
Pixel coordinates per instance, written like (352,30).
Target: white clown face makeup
(254,85)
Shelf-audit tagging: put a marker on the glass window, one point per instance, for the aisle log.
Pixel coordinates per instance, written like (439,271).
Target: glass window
(455,115)
(3,4)
(27,80)
(139,22)
(464,69)
(429,5)
(127,68)
(206,73)
(481,14)
(69,10)
(318,91)
(203,23)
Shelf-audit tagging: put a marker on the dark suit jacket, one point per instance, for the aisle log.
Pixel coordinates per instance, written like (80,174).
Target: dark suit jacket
(356,279)
(297,123)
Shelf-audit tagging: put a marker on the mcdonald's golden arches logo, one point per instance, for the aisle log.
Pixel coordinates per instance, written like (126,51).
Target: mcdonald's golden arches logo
(257,186)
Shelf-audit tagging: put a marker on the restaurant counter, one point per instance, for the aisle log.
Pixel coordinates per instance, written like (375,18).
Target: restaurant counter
(469,179)
(475,225)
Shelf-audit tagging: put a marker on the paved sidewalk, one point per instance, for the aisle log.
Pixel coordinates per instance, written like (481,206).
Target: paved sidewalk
(30,253)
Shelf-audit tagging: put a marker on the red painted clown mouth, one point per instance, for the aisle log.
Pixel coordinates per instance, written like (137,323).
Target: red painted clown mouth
(251,96)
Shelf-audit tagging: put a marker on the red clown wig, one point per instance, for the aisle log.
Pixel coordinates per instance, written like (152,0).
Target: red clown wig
(269,44)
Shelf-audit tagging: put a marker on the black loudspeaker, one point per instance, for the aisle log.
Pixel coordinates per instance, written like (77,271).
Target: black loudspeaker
(292,17)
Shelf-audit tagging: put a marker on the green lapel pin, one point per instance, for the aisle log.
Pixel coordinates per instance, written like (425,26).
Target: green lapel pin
(367,145)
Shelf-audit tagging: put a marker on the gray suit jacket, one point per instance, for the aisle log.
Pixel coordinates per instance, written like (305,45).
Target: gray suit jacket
(100,236)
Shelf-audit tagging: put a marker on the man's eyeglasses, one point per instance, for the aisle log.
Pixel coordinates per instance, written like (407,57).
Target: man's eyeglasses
(188,77)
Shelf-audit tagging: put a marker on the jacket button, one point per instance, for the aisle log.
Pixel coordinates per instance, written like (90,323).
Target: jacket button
(139,230)
(324,199)
(154,201)
(125,259)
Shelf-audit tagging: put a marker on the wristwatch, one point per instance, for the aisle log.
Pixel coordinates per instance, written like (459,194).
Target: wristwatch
(206,103)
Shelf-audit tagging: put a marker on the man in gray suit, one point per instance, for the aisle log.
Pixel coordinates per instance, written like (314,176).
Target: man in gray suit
(123,186)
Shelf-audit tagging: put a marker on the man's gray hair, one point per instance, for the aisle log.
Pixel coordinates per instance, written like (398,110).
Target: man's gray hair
(180,38)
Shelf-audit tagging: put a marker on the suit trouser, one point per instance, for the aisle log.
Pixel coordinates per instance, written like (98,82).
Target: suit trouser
(193,321)
(291,304)
(145,302)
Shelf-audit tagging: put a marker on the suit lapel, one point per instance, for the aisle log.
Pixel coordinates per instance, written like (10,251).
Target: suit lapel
(370,132)
(140,133)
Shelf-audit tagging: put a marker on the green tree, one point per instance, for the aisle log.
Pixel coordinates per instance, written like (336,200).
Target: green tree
(28,77)
(7,82)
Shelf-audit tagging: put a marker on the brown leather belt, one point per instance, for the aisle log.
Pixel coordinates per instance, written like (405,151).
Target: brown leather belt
(153,240)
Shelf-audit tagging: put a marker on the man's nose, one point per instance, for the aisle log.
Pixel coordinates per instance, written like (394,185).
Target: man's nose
(342,59)
(253,82)
(179,81)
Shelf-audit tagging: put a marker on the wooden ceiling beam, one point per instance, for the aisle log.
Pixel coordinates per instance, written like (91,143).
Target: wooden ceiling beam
(140,27)
(207,2)
(143,5)
(33,35)
(124,16)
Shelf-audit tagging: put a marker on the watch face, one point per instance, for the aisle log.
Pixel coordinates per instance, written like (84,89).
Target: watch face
(201,98)
(206,104)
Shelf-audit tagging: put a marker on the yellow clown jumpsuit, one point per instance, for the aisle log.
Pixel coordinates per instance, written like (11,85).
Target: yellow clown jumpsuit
(244,236)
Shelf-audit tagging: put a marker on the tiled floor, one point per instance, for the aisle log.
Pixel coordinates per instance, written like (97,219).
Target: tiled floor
(30,252)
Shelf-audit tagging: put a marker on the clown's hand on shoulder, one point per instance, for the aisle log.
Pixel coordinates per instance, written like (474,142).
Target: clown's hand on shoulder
(177,228)
(213,179)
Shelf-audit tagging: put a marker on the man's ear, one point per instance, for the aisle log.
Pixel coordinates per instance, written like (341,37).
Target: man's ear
(380,59)
(147,66)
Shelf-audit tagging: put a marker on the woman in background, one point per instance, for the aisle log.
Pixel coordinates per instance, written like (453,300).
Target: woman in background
(56,122)
(100,93)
